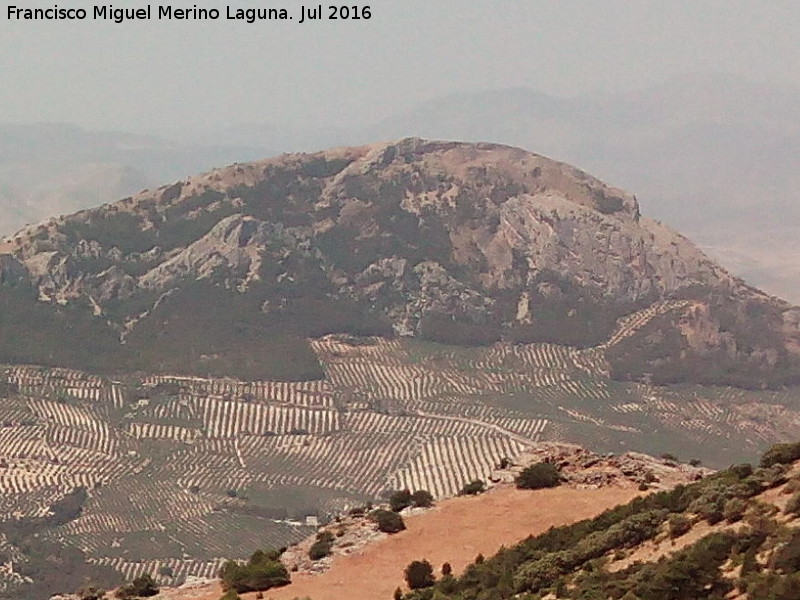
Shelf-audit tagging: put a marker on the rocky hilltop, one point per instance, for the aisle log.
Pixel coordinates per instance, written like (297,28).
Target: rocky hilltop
(457,243)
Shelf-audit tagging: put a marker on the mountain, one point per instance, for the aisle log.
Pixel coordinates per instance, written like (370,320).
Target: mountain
(713,155)
(456,243)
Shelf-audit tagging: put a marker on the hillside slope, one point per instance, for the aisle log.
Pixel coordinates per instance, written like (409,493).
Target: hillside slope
(732,534)
(735,534)
(500,518)
(458,243)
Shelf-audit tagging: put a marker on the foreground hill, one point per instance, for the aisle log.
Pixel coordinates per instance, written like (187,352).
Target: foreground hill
(732,534)
(471,527)
(736,534)
(466,244)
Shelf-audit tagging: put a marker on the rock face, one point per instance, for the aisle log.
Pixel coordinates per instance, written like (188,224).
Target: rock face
(585,469)
(458,243)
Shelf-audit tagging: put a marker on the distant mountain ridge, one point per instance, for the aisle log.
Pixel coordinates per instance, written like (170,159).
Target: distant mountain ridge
(454,242)
(51,168)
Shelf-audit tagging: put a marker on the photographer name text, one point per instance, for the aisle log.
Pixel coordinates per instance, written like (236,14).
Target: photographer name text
(165,12)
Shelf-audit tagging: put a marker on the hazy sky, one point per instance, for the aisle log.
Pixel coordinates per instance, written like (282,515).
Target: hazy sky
(161,76)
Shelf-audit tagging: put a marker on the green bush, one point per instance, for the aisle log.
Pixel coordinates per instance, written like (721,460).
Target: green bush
(262,572)
(399,500)
(781,454)
(92,593)
(540,475)
(230,595)
(678,525)
(787,557)
(419,575)
(422,499)
(142,587)
(166,571)
(388,521)
(322,547)
(473,488)
(734,510)
(772,586)
(793,505)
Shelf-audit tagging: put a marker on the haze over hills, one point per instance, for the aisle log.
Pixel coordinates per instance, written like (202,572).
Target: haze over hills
(54,169)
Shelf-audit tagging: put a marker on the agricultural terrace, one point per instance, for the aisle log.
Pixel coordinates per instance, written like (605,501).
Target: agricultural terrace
(182,473)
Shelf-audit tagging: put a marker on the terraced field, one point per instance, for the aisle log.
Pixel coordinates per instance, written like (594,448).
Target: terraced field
(185,472)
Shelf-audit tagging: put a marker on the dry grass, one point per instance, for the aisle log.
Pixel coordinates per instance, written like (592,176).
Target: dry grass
(455,532)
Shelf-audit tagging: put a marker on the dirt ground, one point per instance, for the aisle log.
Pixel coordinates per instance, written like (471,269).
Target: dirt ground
(456,532)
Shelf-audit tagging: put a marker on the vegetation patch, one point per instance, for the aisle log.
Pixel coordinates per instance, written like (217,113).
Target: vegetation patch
(262,572)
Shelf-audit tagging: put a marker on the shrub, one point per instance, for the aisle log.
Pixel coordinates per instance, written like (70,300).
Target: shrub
(388,521)
(399,500)
(398,594)
(419,575)
(230,595)
(447,569)
(678,525)
(793,505)
(792,486)
(92,593)
(773,476)
(781,454)
(262,572)
(322,547)
(540,475)
(166,571)
(734,510)
(473,488)
(787,557)
(142,587)
(422,499)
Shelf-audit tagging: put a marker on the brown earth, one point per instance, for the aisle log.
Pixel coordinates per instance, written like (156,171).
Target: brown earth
(456,532)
